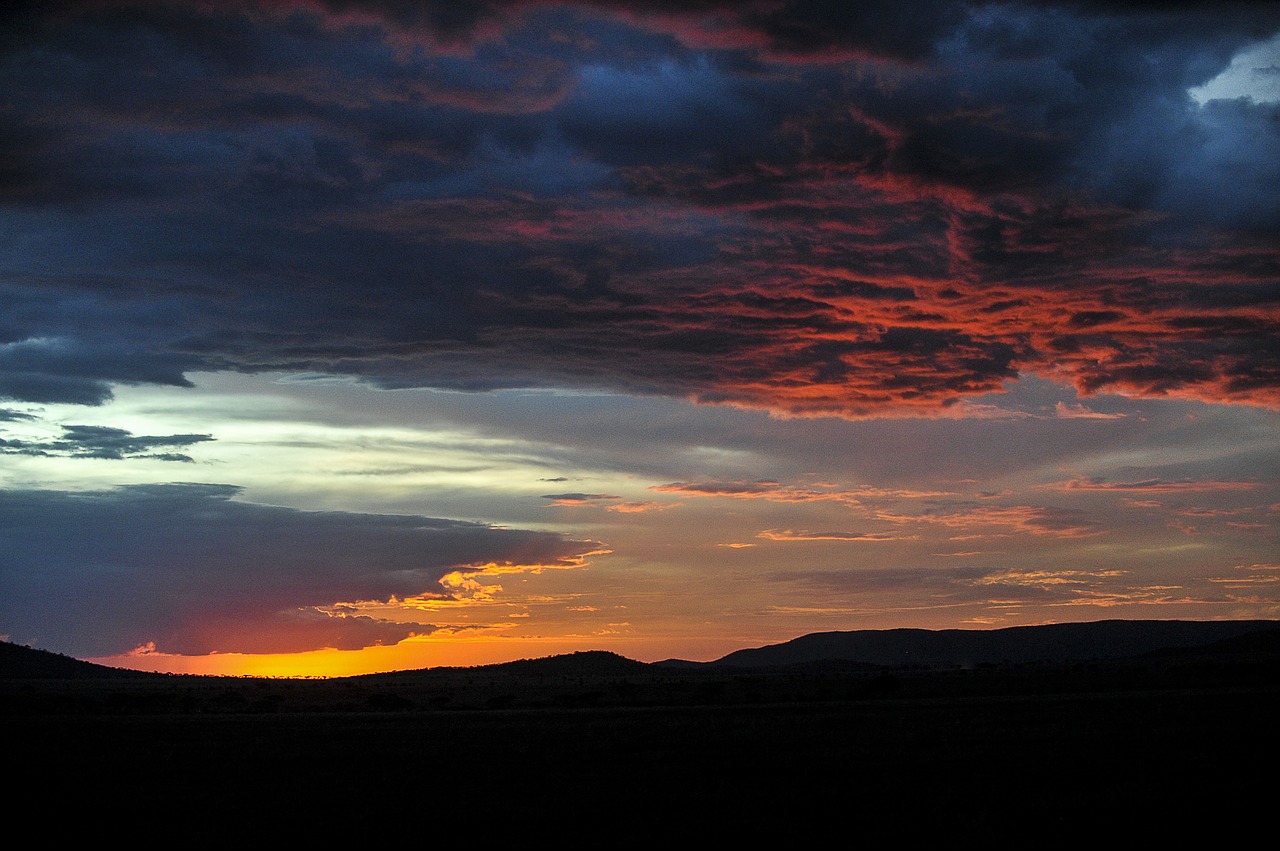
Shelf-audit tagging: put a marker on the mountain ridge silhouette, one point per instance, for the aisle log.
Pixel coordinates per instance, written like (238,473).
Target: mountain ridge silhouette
(1180,730)
(865,650)
(1047,643)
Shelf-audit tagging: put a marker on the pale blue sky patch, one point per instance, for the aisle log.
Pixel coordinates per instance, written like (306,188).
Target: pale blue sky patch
(1254,73)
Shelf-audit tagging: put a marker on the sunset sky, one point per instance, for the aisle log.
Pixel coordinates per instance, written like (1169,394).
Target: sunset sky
(340,336)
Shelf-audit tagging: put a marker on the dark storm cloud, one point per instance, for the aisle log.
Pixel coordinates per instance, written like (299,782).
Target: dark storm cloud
(188,567)
(818,208)
(812,30)
(81,372)
(809,30)
(83,441)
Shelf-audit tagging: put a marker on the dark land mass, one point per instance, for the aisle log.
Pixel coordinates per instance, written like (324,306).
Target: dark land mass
(1071,642)
(1163,731)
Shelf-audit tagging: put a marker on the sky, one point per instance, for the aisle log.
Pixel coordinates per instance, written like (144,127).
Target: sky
(340,337)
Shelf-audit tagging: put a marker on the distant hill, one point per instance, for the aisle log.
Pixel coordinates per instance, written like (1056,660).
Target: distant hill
(823,652)
(18,662)
(1054,643)
(583,663)
(1261,646)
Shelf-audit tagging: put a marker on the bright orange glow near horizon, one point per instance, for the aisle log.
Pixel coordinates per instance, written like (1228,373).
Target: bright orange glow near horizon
(410,655)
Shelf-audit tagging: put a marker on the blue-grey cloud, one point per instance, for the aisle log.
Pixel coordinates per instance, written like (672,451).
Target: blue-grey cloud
(579,498)
(194,570)
(84,441)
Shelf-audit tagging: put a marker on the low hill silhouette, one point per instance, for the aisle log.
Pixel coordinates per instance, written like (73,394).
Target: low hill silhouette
(1052,644)
(852,652)
(1260,646)
(21,662)
(1110,723)
(581,663)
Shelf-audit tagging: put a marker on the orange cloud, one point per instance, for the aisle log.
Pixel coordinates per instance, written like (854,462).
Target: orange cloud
(1065,411)
(639,507)
(1048,578)
(794,535)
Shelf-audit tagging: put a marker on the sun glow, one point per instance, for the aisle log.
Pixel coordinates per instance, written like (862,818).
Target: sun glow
(442,649)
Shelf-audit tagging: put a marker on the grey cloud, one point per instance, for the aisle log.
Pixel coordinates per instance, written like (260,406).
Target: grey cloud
(194,570)
(453,22)
(69,370)
(665,112)
(579,497)
(83,441)
(36,387)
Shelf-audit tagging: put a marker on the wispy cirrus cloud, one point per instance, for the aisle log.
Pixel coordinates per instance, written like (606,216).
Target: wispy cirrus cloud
(985,520)
(639,507)
(1250,575)
(1152,485)
(1065,411)
(574,499)
(1048,578)
(860,537)
(774,491)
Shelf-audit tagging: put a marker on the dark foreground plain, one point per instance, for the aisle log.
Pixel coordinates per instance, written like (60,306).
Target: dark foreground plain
(596,750)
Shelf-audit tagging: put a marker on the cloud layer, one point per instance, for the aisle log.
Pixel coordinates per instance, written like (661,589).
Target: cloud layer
(852,209)
(191,570)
